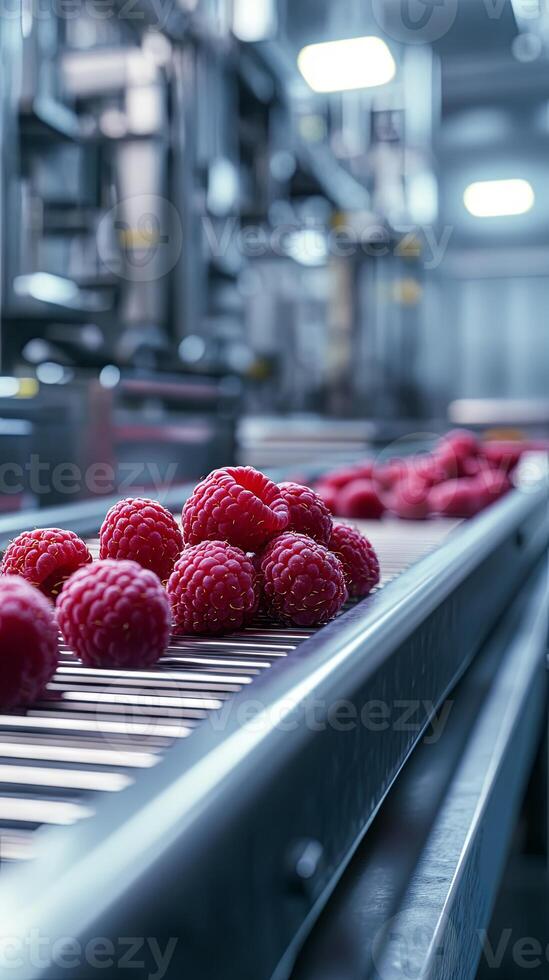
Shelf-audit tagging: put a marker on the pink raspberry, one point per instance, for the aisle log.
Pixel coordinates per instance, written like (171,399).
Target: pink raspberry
(142,530)
(359,560)
(238,505)
(360,499)
(308,512)
(28,642)
(303,582)
(213,589)
(45,557)
(115,614)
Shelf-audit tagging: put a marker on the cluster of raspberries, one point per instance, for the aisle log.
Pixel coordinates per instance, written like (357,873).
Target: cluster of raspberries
(458,478)
(247,544)
(250,543)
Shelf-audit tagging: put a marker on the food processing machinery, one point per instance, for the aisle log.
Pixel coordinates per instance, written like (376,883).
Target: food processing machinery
(367,774)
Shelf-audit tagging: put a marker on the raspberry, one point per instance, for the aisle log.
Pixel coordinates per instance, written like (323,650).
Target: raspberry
(456,498)
(463,442)
(328,495)
(213,589)
(303,582)
(238,505)
(46,558)
(144,531)
(359,560)
(308,512)
(115,614)
(410,499)
(28,642)
(341,477)
(492,485)
(505,456)
(387,475)
(360,499)
(427,468)
(457,453)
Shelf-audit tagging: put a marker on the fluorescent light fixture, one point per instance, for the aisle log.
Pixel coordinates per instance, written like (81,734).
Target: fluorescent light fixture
(339,66)
(47,288)
(498,198)
(254,20)
(9,387)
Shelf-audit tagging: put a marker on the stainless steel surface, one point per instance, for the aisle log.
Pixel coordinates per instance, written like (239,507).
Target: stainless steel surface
(415,903)
(461,864)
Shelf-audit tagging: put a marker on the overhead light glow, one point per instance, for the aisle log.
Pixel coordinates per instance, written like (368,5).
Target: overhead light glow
(339,66)
(499,198)
(9,387)
(308,247)
(254,20)
(46,288)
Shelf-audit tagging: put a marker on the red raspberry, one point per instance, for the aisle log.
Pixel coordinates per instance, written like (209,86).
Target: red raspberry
(238,505)
(142,530)
(360,499)
(46,558)
(388,474)
(28,642)
(456,498)
(428,468)
(457,453)
(308,512)
(328,495)
(410,499)
(492,485)
(463,442)
(359,560)
(504,456)
(213,589)
(115,614)
(303,582)
(357,471)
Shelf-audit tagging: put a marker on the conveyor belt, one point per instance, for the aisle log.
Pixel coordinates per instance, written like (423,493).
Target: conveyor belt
(97,728)
(252,791)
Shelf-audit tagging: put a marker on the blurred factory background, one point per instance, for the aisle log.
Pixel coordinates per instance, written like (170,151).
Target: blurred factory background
(222,240)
